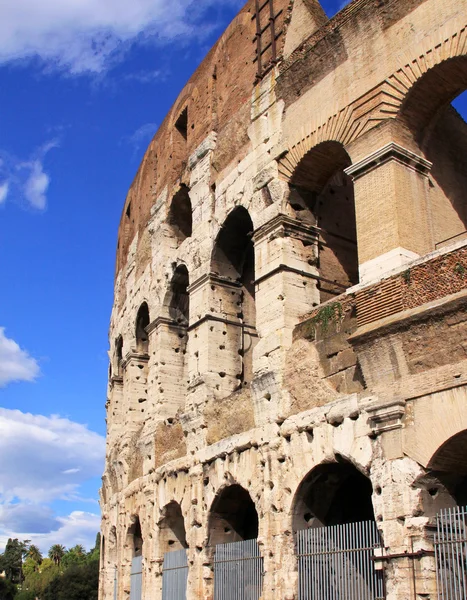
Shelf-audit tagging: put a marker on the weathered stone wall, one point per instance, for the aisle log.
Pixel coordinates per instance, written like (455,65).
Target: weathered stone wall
(289,234)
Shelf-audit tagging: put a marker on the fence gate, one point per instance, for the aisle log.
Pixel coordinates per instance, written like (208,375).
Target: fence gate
(238,571)
(336,563)
(174,575)
(136,578)
(451,553)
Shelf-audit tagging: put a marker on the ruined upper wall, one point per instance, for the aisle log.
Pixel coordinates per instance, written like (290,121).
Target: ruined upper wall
(216,98)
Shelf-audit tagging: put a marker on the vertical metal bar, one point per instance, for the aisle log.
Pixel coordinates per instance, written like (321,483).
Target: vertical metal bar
(258,40)
(272,27)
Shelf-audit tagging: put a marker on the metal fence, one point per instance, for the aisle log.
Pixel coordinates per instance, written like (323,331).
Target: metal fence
(174,575)
(451,553)
(136,578)
(115,583)
(238,571)
(336,563)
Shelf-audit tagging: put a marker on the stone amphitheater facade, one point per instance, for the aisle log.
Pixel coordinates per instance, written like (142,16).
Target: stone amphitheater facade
(288,340)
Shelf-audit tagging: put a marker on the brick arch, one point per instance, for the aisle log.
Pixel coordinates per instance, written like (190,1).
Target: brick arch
(346,124)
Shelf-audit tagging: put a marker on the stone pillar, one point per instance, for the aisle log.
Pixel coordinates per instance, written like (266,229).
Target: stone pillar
(115,409)
(169,376)
(220,335)
(135,387)
(286,254)
(392,210)
(399,508)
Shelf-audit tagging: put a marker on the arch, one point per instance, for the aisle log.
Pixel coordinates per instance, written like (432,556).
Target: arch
(430,92)
(135,536)
(102,554)
(177,300)
(180,217)
(446,480)
(233,259)
(440,134)
(233,516)
(118,355)
(172,533)
(142,321)
(332,494)
(322,197)
(233,253)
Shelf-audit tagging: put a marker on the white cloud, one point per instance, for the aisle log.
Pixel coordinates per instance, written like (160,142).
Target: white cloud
(89,35)
(45,458)
(142,136)
(36,185)
(76,528)
(26,180)
(4,187)
(15,363)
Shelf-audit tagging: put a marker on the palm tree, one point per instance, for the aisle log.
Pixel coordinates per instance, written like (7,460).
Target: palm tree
(34,554)
(56,553)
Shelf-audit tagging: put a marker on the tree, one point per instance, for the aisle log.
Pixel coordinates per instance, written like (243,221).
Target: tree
(74,556)
(76,583)
(34,554)
(11,561)
(56,553)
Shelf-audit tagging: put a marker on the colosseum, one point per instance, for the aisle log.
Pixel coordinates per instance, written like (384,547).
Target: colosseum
(287,399)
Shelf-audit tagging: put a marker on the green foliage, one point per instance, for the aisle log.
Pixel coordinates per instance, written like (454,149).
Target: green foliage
(56,553)
(459,269)
(406,276)
(77,583)
(330,313)
(11,560)
(66,575)
(7,589)
(25,595)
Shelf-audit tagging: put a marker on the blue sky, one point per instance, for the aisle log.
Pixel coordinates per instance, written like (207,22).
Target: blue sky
(84,85)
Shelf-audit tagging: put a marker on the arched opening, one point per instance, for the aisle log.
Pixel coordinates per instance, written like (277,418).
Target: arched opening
(233,260)
(233,516)
(322,197)
(142,322)
(180,214)
(172,534)
(336,533)
(171,342)
(439,130)
(136,537)
(233,529)
(445,484)
(118,355)
(333,494)
(102,556)
(135,543)
(179,303)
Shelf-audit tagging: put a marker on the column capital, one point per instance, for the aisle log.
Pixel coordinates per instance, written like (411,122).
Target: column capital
(391,151)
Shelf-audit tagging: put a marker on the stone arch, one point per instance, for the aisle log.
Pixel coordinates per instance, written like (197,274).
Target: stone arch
(180,217)
(233,516)
(141,334)
(135,536)
(332,493)
(172,533)
(118,356)
(177,298)
(321,195)
(233,262)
